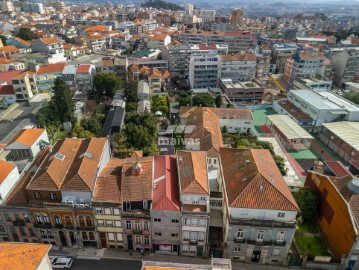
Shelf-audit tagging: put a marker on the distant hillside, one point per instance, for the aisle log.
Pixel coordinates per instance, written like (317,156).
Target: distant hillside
(161,4)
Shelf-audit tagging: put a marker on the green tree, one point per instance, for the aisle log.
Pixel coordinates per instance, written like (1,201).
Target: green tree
(224,129)
(159,103)
(93,125)
(280,163)
(308,203)
(25,33)
(352,96)
(230,105)
(62,101)
(79,132)
(47,115)
(120,147)
(130,91)
(218,101)
(106,84)
(203,99)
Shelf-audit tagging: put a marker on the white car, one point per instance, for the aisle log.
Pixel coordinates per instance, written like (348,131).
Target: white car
(61,262)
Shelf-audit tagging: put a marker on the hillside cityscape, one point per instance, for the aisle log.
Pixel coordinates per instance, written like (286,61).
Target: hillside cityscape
(177,135)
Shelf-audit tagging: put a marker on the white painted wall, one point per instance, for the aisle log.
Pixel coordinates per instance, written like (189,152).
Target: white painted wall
(189,199)
(261,214)
(9,182)
(44,264)
(81,197)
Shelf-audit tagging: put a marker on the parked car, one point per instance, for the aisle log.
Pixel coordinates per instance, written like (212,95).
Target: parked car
(59,262)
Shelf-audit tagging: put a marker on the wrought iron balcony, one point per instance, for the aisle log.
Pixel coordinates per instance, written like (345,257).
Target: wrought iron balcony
(42,225)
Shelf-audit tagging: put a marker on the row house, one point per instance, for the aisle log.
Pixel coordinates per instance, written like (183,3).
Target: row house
(136,191)
(7,95)
(72,52)
(25,85)
(7,51)
(158,41)
(60,191)
(165,209)
(107,204)
(84,77)
(21,44)
(7,64)
(158,78)
(69,75)
(120,41)
(46,76)
(194,200)
(260,211)
(52,46)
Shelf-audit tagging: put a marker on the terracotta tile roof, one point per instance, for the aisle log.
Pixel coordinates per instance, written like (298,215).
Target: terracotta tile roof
(22,256)
(137,180)
(68,46)
(136,154)
(2,146)
(337,168)
(134,68)
(108,183)
(7,75)
(107,62)
(158,37)
(6,168)
(206,129)
(96,28)
(72,165)
(238,57)
(253,180)
(207,46)
(8,49)
(83,68)
(24,42)
(6,60)
(95,37)
(166,189)
(194,208)
(27,137)
(51,68)
(192,171)
(50,40)
(222,113)
(6,90)
(23,74)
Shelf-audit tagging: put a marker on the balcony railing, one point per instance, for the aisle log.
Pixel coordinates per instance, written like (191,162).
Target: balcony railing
(260,242)
(193,242)
(262,223)
(18,222)
(137,230)
(86,228)
(280,243)
(59,226)
(239,240)
(42,225)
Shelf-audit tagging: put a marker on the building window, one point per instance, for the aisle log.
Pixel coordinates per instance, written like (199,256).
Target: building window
(281,215)
(45,218)
(277,251)
(202,223)
(22,231)
(128,206)
(16,216)
(50,234)
(91,236)
(137,226)
(81,221)
(186,236)
(240,233)
(89,222)
(2,229)
(186,221)
(138,240)
(145,226)
(119,237)
(260,235)
(37,195)
(116,211)
(193,222)
(237,248)
(118,223)
(158,234)
(185,248)
(57,219)
(175,220)
(32,232)
(203,198)
(100,222)
(98,210)
(7,217)
(110,236)
(52,196)
(147,240)
(107,211)
(174,235)
(201,236)
(281,236)
(39,218)
(109,223)
(128,224)
(68,220)
(43,233)
(84,235)
(157,220)
(192,249)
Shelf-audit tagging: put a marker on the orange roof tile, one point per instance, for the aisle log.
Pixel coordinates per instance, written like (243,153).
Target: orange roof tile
(238,57)
(192,166)
(253,180)
(108,184)
(6,61)
(8,75)
(6,168)
(158,37)
(27,137)
(9,48)
(83,68)
(95,37)
(51,68)
(96,28)
(137,174)
(22,256)
(50,40)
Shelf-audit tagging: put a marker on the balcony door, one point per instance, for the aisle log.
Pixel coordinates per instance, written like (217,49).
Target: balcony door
(256,255)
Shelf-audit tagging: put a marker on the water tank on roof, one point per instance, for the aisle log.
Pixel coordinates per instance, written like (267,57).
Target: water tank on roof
(353,185)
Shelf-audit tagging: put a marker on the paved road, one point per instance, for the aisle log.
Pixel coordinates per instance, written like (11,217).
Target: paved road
(106,264)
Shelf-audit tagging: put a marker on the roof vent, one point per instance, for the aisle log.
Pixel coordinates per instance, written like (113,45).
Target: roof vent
(353,185)
(261,188)
(137,169)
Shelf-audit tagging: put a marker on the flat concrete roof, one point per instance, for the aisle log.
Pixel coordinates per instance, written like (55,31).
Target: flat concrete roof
(288,127)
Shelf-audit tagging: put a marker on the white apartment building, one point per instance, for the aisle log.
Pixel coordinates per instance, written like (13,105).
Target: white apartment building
(204,70)
(238,66)
(25,85)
